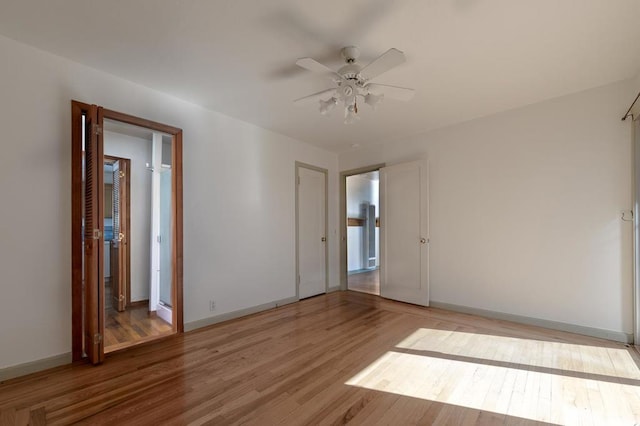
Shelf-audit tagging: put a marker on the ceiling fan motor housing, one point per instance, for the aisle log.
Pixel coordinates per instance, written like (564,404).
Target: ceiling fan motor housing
(350,71)
(350,54)
(348,91)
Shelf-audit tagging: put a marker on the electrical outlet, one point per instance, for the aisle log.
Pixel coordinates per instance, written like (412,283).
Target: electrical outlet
(212,305)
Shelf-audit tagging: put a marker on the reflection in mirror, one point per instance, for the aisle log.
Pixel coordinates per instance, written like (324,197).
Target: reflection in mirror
(137,234)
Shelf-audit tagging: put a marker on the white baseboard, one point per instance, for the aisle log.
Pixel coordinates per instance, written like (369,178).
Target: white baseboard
(164,312)
(63,359)
(34,366)
(617,336)
(237,314)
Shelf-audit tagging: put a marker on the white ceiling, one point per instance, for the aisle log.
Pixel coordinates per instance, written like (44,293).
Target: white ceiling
(465,58)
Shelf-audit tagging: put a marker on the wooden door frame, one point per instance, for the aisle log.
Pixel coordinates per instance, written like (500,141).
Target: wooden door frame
(127,182)
(343,217)
(298,166)
(78,109)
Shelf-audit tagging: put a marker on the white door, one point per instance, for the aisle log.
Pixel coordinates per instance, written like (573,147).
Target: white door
(311,233)
(404,233)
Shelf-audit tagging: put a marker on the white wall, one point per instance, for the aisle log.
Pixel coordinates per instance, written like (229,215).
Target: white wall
(139,152)
(525,209)
(238,200)
(636,86)
(359,189)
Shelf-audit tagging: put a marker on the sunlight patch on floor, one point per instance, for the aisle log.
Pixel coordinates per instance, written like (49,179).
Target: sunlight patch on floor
(616,362)
(515,392)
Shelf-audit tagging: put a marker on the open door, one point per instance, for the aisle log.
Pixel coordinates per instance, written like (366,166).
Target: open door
(119,243)
(88,231)
(93,237)
(404,233)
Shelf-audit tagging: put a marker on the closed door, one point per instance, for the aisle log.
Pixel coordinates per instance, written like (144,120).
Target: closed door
(404,235)
(312,266)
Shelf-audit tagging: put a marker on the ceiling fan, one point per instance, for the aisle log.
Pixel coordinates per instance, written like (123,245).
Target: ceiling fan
(353,82)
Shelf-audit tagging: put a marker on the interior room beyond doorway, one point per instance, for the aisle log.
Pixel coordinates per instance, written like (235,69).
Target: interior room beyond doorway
(363,236)
(137,197)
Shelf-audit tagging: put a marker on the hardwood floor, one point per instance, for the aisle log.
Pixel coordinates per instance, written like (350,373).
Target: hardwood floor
(132,326)
(343,358)
(365,282)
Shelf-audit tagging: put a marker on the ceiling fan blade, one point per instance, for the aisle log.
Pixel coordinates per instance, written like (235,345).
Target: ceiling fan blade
(315,96)
(315,66)
(395,92)
(389,59)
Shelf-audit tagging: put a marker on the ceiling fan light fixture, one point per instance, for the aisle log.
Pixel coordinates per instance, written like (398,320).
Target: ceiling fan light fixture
(352,82)
(350,115)
(327,106)
(373,100)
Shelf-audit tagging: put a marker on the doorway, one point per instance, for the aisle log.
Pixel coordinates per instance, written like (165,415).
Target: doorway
(363,236)
(126,231)
(131,219)
(117,238)
(401,262)
(311,231)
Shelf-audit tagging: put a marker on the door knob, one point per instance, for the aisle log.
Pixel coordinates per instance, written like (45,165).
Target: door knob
(323,239)
(423,241)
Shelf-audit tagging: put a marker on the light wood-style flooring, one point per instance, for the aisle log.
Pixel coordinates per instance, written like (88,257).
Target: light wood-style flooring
(365,282)
(343,358)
